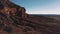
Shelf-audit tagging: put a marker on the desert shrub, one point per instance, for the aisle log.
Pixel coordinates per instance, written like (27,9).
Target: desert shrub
(8,29)
(1,6)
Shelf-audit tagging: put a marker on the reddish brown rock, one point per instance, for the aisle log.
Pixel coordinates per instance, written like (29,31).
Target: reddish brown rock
(10,8)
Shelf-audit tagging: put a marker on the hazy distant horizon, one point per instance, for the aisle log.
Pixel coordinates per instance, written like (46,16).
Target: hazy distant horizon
(40,6)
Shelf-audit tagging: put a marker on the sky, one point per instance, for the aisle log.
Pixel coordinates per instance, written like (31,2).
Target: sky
(40,6)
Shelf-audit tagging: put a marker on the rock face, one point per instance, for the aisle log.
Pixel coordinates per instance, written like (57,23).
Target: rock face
(9,8)
(13,20)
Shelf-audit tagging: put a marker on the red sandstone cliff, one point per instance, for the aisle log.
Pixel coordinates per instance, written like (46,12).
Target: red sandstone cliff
(13,20)
(10,8)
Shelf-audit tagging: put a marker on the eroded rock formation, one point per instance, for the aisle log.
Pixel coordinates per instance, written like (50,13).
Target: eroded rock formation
(13,20)
(9,8)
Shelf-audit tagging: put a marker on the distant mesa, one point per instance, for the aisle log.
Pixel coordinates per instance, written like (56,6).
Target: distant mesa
(9,8)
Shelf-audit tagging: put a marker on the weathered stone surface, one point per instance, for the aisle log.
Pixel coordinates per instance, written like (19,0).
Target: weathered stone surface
(9,8)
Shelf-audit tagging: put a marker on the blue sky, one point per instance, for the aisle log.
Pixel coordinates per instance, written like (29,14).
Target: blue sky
(40,6)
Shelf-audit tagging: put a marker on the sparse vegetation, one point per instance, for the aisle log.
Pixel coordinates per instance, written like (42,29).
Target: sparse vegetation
(8,30)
